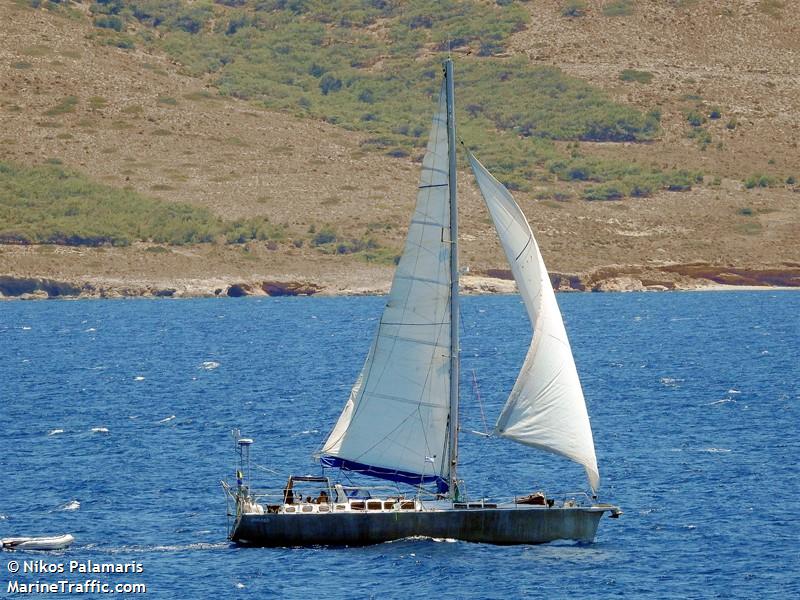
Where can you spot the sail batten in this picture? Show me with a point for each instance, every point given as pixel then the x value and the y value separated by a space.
pixel 395 422
pixel 546 408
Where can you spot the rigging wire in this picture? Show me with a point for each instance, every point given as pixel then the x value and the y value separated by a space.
pixel 476 392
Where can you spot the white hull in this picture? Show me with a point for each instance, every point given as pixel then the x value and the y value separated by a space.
pixel 58 542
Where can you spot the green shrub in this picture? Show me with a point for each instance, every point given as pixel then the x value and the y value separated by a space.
pixel 637 76
pixel 695 119
pixel 759 180
pixel 255 228
pixel 328 83
pixel 574 8
pixel 618 8
pixel 325 235
pixel 109 22
pixel 681 181
pixel 67 105
pixel 608 191
pixel 701 136
pixel 121 42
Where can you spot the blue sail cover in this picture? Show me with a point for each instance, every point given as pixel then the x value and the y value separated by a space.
pixel 400 476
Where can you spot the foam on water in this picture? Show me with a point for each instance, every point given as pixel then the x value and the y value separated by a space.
pixel 160 548
pixel 723 401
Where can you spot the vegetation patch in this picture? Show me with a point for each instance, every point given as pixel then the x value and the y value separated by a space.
pixel 574 8
pixel 612 180
pixel 97 102
pixel 637 76
pixel 67 105
pixel 347 62
pixel 760 180
pixel 50 205
pixel 618 8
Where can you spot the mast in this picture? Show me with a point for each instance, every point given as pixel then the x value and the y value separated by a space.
pixel 454 315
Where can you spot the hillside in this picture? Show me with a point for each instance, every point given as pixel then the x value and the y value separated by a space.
pixel 134 110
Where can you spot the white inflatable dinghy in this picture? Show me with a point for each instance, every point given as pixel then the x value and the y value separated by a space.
pixel 56 542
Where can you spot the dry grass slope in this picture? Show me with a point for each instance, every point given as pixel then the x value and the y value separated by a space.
pixel 132 119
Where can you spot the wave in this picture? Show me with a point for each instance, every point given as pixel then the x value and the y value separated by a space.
pixel 99 429
pixel 167 419
pixel 55 431
pixel 200 546
pixel 139 378
pixel 723 401
pixel 70 506
pixel 209 365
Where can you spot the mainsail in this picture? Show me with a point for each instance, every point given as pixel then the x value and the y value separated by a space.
pixel 395 423
pixel 546 408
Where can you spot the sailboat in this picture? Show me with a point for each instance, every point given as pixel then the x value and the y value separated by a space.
pixel 400 422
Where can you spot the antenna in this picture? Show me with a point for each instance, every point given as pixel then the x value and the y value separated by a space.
pixel 243 472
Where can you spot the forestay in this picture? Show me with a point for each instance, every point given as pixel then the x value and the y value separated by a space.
pixel 546 408
pixel 395 422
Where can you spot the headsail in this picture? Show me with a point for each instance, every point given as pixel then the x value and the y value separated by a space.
pixel 546 408
pixel 395 423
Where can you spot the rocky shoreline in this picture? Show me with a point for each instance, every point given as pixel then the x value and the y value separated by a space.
pixel 615 278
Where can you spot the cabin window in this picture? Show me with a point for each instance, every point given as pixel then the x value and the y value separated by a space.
pixel 308 508
pixel 324 509
pixel 341 507
pixel 357 505
pixel 407 505
pixel 373 505
pixel 388 505
pixel 289 509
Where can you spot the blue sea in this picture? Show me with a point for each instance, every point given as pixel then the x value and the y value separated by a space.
pixel 115 421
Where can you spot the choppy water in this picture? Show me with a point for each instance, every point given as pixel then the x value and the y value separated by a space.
pixel 115 421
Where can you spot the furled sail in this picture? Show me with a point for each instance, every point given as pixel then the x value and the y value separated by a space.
pixel 546 408
pixel 395 423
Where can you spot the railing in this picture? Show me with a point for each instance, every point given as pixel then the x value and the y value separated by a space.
pixel 277 497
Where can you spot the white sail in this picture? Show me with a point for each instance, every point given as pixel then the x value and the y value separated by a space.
pixel 546 408
pixel 395 422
